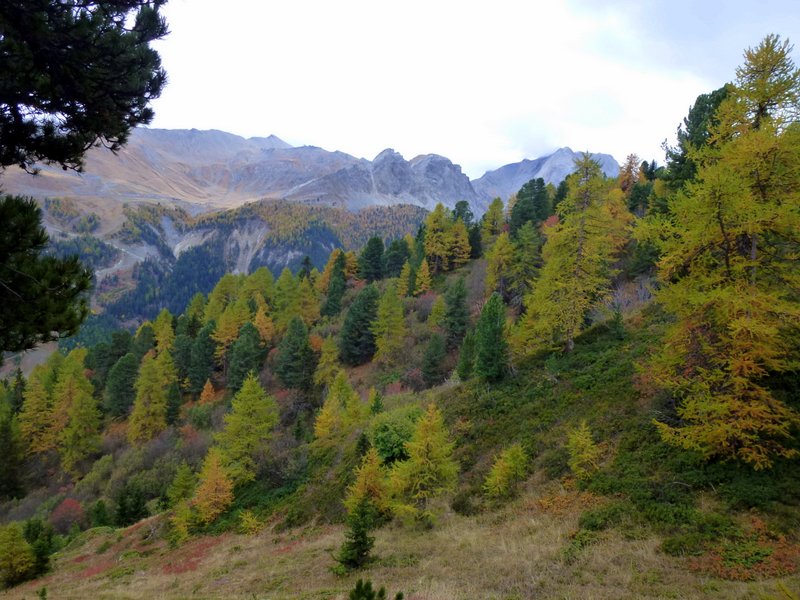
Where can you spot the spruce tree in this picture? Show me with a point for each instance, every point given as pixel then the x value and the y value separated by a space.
pixel 182 355
pixel 357 342
pixel 370 263
pixel 466 357
pixel 246 355
pixel 295 362
pixel 120 389
pixel 336 287
pixel 491 355
pixel 432 361
pixel 11 451
pixel 201 364
pixel 456 315
pixel 395 257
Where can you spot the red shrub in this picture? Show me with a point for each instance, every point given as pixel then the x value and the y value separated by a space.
pixel 65 514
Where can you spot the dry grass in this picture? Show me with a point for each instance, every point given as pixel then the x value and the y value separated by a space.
pixel 516 553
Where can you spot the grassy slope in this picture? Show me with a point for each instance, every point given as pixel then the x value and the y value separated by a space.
pixel 554 541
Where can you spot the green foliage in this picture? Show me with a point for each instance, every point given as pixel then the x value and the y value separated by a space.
pixel 43 297
pixel 131 505
pixel 336 288
pixel 392 430
pixel 432 372
pixel 491 361
pixel 355 550
pixel 120 391
pixel 532 205
pixel 357 341
pixel 17 560
pixel 363 591
pixel 456 316
pixel 182 486
pixel 466 356
pixel 67 92
pixel 201 362
pixel 295 362
pixel 389 327
pixel 370 262
pixel 149 414
pixel 99 515
pixel 11 449
pixel 245 356
pixel 395 257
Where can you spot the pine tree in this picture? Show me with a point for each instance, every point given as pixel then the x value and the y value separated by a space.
pixel 247 431
pixel 432 361
pixel 357 342
pixel 358 543
pixel 532 205
pixel 370 263
pixel 214 493
pixel 526 262
pixel 11 449
pixel 246 355
pixel 182 355
pixel 328 365
pixel 389 327
pixel 375 401
pixel 120 391
pixel 430 470
pixel 422 281
pixel 456 315
pixel 491 360
pixel 149 415
pixel 295 362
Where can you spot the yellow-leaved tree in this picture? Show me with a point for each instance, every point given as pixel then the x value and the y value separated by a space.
pixel 577 257
pixel 729 266
pixel 214 494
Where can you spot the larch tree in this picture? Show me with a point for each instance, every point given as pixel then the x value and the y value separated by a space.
pixel 247 430
pixel 729 251
pixel 328 365
pixel 493 222
pixel 308 304
pixel 163 331
pixel 460 249
pixel 405 286
pixel 422 279
pixel 287 299
pixel 235 315
pixel 498 265
pixel 430 470
pixel 214 493
pixel 36 416
pixel 389 327
pixel 578 258
pixel 438 239
pixel 149 415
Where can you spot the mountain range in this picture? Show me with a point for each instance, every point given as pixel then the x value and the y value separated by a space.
pixel 207 170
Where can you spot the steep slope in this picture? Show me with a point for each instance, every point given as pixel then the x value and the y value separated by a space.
pixel 507 180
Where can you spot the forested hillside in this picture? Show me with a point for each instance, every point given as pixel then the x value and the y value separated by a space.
pixel 592 390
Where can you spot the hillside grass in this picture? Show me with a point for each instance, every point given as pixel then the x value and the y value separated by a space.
pixel 652 522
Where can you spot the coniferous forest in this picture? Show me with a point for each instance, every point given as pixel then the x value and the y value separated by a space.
pixel 592 389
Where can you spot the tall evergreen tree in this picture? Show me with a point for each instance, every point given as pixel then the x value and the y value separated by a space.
pixel 466 357
pixel 11 449
pixel 295 362
pixel 395 257
pixel 456 316
pixel 120 391
pixel 357 342
pixel 370 263
pixel 246 355
pixel 532 206
pixel 432 372
pixel 201 364
pixel 491 354
pixel 336 287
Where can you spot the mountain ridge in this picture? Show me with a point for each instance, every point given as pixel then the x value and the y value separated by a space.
pixel 213 169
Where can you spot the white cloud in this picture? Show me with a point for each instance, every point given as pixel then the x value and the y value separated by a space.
pixel 484 84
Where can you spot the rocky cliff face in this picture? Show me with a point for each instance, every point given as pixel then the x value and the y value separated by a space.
pixel 507 180
pixel 204 170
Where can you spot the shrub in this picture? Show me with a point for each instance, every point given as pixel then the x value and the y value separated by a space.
pixel 583 452
pixel 17 560
pixel 509 468
pixel 68 513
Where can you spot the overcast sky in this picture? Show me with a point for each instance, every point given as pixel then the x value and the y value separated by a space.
pixel 483 83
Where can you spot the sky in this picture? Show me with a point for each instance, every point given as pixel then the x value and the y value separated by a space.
pixel 483 83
